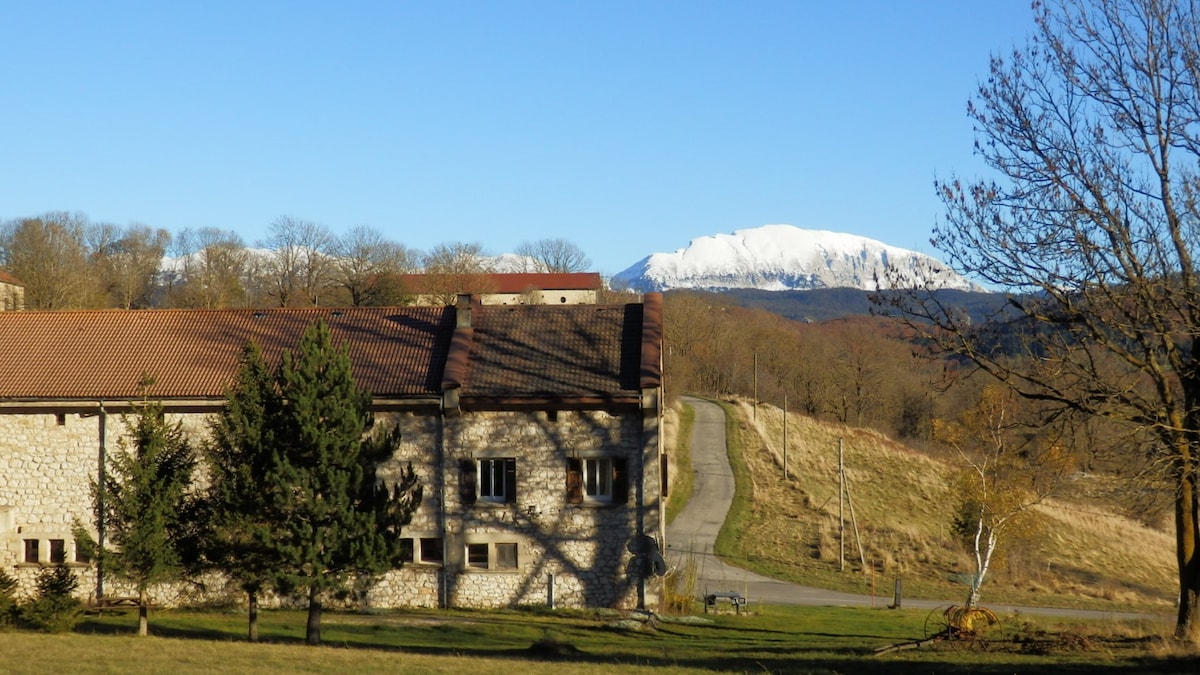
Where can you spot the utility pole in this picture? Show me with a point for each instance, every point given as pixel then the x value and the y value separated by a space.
pixel 785 445
pixel 841 509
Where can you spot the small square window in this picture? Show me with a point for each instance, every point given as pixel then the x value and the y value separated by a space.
pixel 431 549
pixel 31 550
pixel 506 556
pixel 477 555
pixel 58 551
pixel 406 550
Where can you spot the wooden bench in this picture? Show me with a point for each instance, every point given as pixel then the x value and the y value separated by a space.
pixel 733 598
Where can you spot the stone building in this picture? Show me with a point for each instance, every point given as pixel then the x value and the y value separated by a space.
pixel 534 429
pixel 515 288
pixel 12 292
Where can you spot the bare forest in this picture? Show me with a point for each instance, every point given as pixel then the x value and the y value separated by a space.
pixel 66 261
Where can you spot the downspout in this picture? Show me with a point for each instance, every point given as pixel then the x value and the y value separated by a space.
pixel 101 477
pixel 651 388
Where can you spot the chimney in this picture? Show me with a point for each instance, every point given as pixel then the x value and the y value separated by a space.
pixel 463 311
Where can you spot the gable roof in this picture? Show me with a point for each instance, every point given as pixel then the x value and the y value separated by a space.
pixel 584 352
pixel 6 278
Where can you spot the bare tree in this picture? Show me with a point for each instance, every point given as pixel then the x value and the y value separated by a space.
pixel 1093 130
pixel 553 256
pixel 450 269
pixel 128 262
pixel 211 266
pixel 50 255
pixel 365 263
pixel 300 267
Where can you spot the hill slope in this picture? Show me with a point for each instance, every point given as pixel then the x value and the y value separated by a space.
pixel 1081 555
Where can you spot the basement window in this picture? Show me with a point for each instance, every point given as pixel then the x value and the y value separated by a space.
pixel 493 556
pixel 477 556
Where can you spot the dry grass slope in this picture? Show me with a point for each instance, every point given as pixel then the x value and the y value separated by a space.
pixel 1081 554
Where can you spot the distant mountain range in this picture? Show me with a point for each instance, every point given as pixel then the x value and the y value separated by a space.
pixel 782 258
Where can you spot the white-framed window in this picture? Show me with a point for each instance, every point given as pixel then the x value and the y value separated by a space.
pixel 597 480
pixel 501 555
pixel 489 479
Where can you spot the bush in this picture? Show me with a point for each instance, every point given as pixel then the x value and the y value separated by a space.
pixel 8 600
pixel 54 609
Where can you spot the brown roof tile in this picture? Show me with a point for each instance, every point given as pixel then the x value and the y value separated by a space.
pixel 554 351
pixel 397 352
pixel 512 282
pixel 6 278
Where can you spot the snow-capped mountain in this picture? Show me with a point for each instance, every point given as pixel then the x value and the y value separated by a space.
pixel 782 257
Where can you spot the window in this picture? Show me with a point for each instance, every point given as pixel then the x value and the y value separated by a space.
pixel 406 550
pixel 600 480
pixel 81 555
pixel 431 550
pixel 597 479
pixel 489 479
pixel 506 556
pixel 492 556
pixel 58 551
pixel 31 550
pixel 477 555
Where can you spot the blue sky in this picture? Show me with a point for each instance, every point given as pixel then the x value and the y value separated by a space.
pixel 625 127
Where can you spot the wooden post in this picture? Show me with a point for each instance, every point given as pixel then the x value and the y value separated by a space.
pixel 785 445
pixel 841 510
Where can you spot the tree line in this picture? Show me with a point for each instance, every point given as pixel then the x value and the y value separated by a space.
pixel 66 261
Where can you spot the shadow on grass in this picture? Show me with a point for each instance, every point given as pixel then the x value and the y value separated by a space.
pixel 745 650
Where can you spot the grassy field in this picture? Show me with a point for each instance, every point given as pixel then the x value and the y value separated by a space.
pixel 1083 555
pixel 772 639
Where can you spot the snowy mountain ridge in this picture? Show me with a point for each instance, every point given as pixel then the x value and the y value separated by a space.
pixel 783 257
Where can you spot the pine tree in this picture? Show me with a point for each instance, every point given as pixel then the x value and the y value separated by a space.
pixel 236 535
pixel 145 504
pixel 333 521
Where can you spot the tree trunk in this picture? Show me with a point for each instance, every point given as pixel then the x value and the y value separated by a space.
pixel 1187 536
pixel 143 613
pixel 252 634
pixel 312 634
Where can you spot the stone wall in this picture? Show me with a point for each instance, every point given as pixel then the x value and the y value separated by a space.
pixel 481 554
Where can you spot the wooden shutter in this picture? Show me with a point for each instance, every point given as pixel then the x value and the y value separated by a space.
pixel 574 481
pixel 510 480
pixel 467 481
pixel 620 481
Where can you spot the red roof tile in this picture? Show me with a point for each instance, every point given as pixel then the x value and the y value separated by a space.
pixel 396 352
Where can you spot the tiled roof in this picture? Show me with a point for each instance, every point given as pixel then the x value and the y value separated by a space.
pixel 396 352
pixel 6 278
pixel 554 351
pixel 512 283
pixel 582 352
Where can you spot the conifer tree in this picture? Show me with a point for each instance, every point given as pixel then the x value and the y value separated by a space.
pixel 333 521
pixel 239 454
pixel 146 504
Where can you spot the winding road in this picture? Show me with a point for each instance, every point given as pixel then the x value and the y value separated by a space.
pixel 693 534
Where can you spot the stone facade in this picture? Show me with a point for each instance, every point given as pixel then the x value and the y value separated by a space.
pixel 536 547
pixel 12 294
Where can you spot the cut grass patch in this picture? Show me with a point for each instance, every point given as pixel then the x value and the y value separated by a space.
pixel 772 639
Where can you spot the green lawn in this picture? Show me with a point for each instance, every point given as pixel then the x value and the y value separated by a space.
pixel 772 639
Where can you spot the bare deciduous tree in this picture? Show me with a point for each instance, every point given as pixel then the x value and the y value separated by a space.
pixel 365 261
pixel 300 267
pixel 50 255
pixel 128 261
pixel 455 268
pixel 1093 130
pixel 552 256
pixel 210 271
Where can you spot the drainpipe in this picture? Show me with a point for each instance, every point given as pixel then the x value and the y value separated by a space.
pixel 101 476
